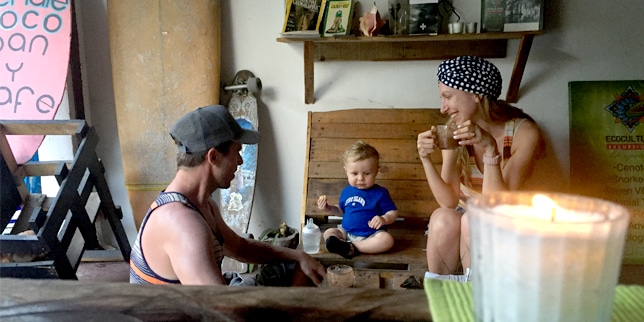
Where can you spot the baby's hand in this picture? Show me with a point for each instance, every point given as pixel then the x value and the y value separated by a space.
pixel 322 202
pixel 376 222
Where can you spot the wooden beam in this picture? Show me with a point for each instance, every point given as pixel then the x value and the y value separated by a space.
pixel 519 66
pixel 309 91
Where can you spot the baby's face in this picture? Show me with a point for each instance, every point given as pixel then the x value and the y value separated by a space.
pixel 362 174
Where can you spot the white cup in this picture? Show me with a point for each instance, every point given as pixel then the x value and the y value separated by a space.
pixel 471 27
pixel 455 28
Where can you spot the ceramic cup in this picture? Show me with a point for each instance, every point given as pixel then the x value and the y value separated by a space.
pixel 471 27
pixel 455 28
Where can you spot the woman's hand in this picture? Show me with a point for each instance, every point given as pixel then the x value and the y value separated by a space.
pixel 426 143
pixel 468 133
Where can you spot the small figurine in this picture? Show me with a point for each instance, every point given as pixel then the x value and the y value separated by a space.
pixel 370 22
pixel 283 229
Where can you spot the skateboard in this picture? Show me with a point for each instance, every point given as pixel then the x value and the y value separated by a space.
pixel 236 202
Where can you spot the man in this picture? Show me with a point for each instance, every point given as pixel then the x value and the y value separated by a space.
pixel 183 238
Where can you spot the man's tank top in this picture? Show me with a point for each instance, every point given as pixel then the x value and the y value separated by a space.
pixel 140 271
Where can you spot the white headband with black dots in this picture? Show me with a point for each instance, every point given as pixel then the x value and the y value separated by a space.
pixel 471 74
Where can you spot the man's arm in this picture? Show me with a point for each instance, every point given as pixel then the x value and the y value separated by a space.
pixel 254 251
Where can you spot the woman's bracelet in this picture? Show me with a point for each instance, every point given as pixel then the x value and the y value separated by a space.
pixel 495 160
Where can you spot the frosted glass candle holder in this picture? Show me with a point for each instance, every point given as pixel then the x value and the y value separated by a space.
pixel 545 257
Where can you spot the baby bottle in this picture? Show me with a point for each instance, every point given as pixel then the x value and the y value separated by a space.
pixel 311 236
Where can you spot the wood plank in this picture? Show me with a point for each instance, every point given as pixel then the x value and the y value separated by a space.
pixel 408 50
pixel 43 168
pixel 40 127
pixel 379 115
pixel 210 303
pixel 368 131
pixel 388 170
pixel 390 150
pixel 419 38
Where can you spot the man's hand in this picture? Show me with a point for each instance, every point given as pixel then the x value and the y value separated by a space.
pixel 312 268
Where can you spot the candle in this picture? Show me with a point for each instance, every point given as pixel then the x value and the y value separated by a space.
pixel 545 257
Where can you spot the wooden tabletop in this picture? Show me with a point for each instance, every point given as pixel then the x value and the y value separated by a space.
pixel 81 301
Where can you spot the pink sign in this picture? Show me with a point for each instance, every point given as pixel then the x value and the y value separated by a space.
pixel 34 57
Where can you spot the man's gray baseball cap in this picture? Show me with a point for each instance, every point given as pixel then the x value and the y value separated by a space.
pixel 208 127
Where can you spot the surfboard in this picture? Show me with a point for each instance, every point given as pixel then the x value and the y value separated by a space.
pixel 34 58
pixel 165 58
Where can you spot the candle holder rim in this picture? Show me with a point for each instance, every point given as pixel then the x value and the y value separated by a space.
pixel 617 213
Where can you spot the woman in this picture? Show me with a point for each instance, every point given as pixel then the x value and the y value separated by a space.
pixel 499 144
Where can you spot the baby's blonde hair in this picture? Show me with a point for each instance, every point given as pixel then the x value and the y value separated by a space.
pixel 360 151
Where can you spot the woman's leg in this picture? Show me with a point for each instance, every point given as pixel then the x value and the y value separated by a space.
pixel 443 241
pixel 465 241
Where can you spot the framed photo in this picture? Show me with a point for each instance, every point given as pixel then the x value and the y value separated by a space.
pixel 523 15
pixel 423 17
pixel 337 18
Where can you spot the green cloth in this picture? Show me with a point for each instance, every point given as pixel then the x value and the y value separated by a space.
pixel 452 301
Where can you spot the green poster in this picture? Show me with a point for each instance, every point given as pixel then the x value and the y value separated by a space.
pixel 607 150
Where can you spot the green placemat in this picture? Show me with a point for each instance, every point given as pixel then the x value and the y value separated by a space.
pixel 452 301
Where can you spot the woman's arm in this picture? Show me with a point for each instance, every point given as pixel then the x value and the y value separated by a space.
pixel 444 186
pixel 525 148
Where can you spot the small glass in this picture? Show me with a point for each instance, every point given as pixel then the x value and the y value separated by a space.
pixel 340 276
pixel 445 135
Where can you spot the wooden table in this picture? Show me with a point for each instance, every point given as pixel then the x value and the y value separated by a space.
pixel 22 299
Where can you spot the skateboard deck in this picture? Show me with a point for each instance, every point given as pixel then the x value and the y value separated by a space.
pixel 168 67
pixel 236 202
pixel 34 60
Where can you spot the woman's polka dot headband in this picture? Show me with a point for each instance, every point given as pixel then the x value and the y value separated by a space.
pixel 471 74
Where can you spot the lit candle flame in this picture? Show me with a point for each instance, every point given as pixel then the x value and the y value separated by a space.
pixel 546 204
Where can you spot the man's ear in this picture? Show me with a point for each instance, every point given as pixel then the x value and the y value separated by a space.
pixel 212 155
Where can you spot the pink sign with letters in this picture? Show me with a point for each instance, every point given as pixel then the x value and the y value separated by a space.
pixel 34 56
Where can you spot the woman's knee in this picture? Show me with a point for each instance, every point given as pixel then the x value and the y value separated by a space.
pixel 444 219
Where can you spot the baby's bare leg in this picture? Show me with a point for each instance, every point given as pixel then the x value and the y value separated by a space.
pixel 380 242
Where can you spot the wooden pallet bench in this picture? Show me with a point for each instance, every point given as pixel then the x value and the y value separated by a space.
pixel 63 226
pixel 393 132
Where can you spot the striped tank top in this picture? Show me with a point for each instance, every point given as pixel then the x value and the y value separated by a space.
pixel 140 271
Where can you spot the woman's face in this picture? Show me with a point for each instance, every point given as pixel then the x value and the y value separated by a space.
pixel 462 105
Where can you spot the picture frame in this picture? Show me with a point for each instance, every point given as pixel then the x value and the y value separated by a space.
pixel 492 15
pixel 523 15
pixel 338 16
pixel 423 17
pixel 303 15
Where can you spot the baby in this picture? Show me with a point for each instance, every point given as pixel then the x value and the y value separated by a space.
pixel 365 207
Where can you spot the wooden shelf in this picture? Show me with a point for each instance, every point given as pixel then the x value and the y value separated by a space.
pixel 400 48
